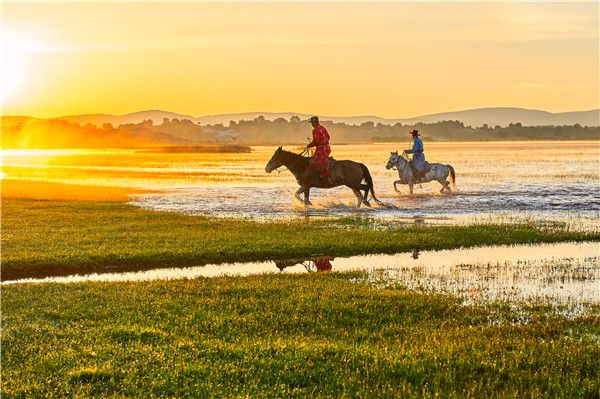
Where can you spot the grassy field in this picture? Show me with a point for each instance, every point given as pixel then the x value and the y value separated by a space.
pixel 43 237
pixel 312 335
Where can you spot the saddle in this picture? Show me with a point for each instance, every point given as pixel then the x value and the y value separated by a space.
pixel 331 162
pixel 418 175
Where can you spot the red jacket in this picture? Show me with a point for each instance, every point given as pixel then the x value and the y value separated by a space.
pixel 320 137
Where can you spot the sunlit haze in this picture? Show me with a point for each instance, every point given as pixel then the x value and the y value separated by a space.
pixel 392 60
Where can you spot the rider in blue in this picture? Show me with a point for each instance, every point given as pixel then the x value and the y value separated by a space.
pixel 418 161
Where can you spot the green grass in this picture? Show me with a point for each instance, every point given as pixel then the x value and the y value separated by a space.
pixel 63 237
pixel 311 335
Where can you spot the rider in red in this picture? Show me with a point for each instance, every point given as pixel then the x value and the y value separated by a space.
pixel 319 162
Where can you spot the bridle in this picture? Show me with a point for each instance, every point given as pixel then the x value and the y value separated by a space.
pixel 396 165
pixel 305 151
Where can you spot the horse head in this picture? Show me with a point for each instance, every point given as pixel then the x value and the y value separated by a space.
pixel 393 160
pixel 275 161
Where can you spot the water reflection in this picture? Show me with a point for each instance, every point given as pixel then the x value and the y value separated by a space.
pixel 318 264
pixel 565 274
pixel 415 254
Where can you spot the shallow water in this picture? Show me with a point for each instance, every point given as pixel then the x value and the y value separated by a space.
pixel 565 274
pixel 557 181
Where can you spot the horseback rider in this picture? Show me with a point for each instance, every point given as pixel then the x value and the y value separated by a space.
pixel 418 164
pixel 319 162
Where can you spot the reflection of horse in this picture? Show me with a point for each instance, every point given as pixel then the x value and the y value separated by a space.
pixel 346 173
pixel 321 264
pixel 415 254
pixel 437 172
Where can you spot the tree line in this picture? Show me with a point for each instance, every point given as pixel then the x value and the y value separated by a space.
pixel 23 132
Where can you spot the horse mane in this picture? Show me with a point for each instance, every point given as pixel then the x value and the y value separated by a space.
pixel 402 159
pixel 289 156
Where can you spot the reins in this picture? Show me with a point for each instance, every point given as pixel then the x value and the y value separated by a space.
pixel 305 151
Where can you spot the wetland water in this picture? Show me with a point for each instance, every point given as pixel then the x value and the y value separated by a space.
pixel 558 181
pixel 497 182
pixel 564 274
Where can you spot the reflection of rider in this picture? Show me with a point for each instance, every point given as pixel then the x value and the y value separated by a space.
pixel 418 160
pixel 319 162
pixel 323 264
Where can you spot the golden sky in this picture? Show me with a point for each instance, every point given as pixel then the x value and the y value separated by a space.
pixel 386 59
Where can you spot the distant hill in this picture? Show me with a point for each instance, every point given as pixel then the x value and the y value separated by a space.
pixel 136 117
pixel 504 116
pixel 474 117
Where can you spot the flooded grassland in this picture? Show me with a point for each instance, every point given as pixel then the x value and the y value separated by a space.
pixel 232 289
pixel 497 181
pixel 285 335
pixel 551 190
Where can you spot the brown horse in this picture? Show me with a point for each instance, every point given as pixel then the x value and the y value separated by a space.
pixel 347 173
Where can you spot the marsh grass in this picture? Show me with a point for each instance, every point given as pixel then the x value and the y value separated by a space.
pixel 43 238
pixel 312 335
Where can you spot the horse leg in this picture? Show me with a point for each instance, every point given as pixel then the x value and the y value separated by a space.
pixel 365 199
pixel 447 186
pixel 360 198
pixel 395 187
pixel 297 194
pixel 366 188
pixel 306 196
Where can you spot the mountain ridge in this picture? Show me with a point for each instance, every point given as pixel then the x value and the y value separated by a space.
pixel 490 116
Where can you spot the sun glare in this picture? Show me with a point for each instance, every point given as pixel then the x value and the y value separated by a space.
pixel 17 47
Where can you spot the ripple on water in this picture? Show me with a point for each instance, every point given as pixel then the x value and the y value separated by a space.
pixel 579 204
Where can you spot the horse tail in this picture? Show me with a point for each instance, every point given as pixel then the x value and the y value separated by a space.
pixel 452 176
pixel 369 181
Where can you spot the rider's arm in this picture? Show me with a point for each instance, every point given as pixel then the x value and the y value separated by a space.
pixel 417 147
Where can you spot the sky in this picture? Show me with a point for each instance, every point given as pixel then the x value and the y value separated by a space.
pixel 393 60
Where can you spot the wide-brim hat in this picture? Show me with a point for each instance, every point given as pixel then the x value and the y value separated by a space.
pixel 414 132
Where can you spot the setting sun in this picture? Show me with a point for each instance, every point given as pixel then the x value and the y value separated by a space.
pixel 20 47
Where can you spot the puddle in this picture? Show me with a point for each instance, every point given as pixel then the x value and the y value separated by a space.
pixel 565 274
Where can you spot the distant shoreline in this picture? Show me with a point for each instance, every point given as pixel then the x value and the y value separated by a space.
pixel 247 148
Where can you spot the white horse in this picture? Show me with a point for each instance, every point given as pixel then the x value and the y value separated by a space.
pixel 437 172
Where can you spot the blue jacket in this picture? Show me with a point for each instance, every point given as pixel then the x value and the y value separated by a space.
pixel 418 160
